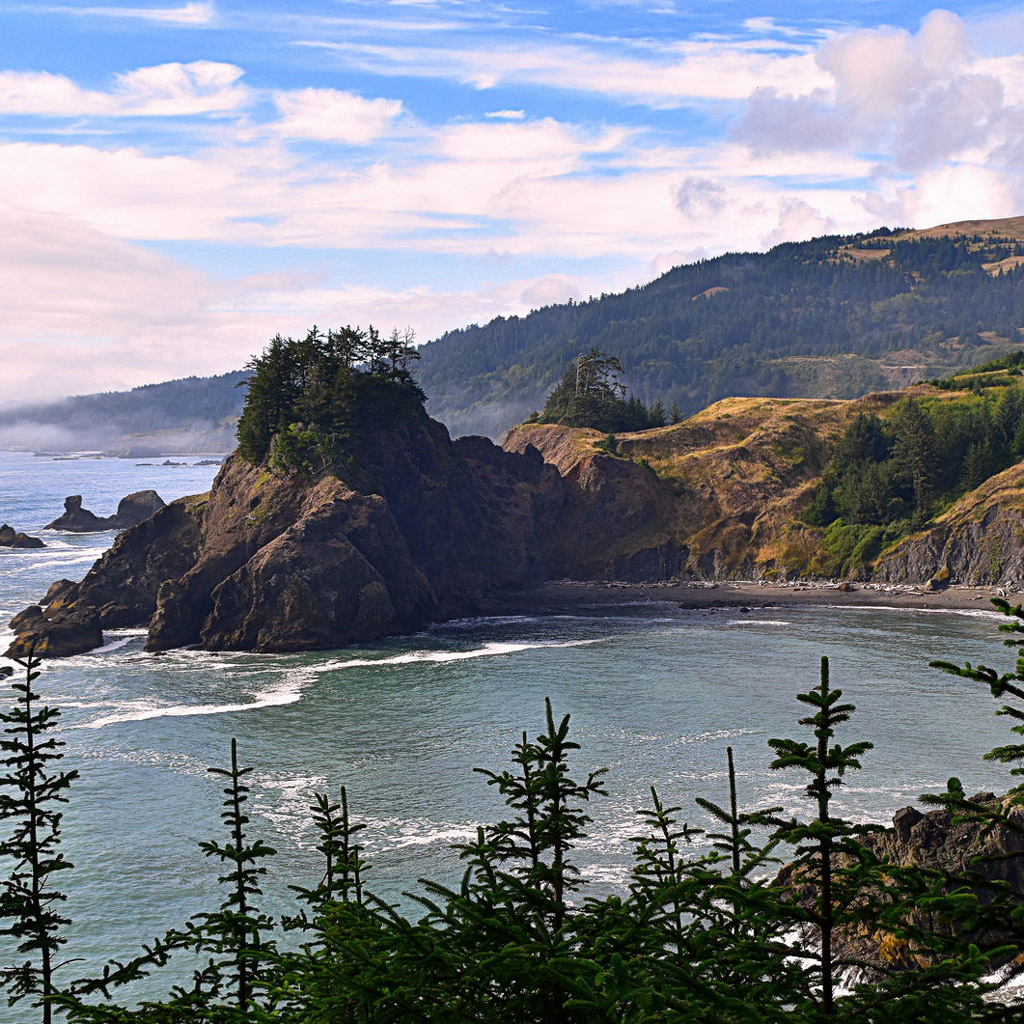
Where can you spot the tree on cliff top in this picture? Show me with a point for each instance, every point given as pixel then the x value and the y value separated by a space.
pixel 305 396
pixel 590 394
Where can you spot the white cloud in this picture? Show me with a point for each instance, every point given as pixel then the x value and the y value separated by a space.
pixel 196 12
pixel 86 312
pixel 507 115
pixel 165 90
pixel 914 101
pixel 332 115
pixel 693 72
pixel 947 194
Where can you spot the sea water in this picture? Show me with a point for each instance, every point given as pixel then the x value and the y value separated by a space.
pixel 656 694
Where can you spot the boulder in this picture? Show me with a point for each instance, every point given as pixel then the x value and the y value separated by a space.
pixel 10 538
pixel 133 508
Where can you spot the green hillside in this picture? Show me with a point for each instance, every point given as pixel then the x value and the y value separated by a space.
pixel 190 414
pixel 835 317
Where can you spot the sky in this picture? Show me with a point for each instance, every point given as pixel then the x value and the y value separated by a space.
pixel 182 179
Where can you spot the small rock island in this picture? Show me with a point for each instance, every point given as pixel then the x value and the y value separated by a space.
pixel 131 510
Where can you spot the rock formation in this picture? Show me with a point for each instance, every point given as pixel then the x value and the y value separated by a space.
pixel 410 528
pixel 981 860
pixel 978 541
pixel 10 538
pixel 131 510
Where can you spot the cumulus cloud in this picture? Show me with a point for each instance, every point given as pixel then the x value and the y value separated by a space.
pixel 330 115
pixel 696 197
pixel 921 99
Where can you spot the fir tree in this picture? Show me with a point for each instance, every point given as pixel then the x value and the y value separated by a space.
pixel 32 790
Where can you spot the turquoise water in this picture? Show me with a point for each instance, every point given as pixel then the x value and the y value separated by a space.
pixel 656 695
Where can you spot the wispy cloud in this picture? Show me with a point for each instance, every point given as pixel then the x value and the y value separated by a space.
pixel 196 12
pixel 703 73
pixel 330 115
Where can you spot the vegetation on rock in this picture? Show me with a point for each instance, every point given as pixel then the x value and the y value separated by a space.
pixel 305 397
pixel 590 394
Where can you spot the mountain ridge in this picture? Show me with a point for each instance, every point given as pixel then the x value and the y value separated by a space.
pixel 832 317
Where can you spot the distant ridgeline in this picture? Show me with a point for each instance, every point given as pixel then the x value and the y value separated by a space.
pixel 835 317
pixel 191 414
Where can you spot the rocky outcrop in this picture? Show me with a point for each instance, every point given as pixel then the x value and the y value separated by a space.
pixel 131 510
pixel 979 541
pixel 981 860
pixel 11 538
pixel 410 528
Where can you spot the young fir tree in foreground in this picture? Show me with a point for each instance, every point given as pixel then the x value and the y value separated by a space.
pixel 32 789
pixel 705 933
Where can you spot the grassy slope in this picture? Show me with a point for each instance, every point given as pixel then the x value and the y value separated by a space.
pixel 743 471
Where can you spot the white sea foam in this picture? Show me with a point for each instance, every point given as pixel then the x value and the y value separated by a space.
pixel 972 613
pixel 491 650
pixel 288 691
pixel 758 622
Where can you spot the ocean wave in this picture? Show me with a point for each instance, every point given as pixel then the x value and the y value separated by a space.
pixel 758 622
pixel 491 650
pixel 288 692
pixel 972 613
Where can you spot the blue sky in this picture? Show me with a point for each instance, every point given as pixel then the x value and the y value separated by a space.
pixel 179 181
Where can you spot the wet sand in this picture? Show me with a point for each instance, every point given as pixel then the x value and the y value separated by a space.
pixel 564 595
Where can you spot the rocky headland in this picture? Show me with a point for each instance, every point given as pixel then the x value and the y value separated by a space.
pixel 410 527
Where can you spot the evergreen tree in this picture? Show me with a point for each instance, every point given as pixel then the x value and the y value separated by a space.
pixel 820 840
pixel 32 790
pixel 234 933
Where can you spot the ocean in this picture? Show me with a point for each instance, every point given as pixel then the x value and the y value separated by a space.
pixel 656 694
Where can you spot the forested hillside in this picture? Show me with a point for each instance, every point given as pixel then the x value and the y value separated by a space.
pixel 834 317
pixel 191 414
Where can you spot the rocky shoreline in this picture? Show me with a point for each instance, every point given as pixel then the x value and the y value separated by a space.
pixel 565 595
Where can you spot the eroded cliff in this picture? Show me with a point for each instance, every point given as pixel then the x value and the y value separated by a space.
pixel 409 528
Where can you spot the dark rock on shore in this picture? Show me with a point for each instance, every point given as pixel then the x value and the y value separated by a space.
pixel 982 861
pixel 131 510
pixel 11 538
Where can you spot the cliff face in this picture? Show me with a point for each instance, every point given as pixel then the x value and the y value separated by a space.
pixel 412 528
pixel 718 495
pixel 978 541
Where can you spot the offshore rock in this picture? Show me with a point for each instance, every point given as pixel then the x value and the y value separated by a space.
pixel 11 538
pixel 131 510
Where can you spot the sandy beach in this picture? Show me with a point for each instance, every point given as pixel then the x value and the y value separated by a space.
pixel 566 595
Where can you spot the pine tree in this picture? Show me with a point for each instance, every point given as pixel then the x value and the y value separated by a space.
pixel 234 933
pixel 821 840
pixel 32 790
